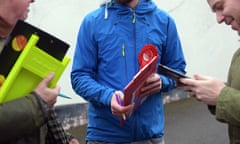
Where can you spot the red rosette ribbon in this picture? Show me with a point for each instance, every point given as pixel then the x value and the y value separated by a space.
pixel 146 54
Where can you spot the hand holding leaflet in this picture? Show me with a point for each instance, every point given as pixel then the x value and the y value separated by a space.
pixel 148 62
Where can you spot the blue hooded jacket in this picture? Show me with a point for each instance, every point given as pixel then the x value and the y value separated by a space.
pixel 106 59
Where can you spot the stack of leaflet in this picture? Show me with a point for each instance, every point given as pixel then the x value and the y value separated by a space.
pixel 28 56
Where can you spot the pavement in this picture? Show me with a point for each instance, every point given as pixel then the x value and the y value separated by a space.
pixel 188 121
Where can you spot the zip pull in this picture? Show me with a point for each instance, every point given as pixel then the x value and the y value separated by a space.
pixel 123 49
pixel 106 10
pixel 134 17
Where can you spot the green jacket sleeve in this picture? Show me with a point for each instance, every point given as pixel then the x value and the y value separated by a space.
pixel 228 106
pixel 20 116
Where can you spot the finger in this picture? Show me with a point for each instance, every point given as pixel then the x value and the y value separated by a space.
pixel 198 98
pixel 114 112
pixel 120 94
pixel 48 78
pixel 126 110
pixel 149 92
pixel 200 77
pixel 192 94
pixel 156 77
pixel 149 86
pixel 179 84
pixel 118 114
pixel 187 81
pixel 188 88
pixel 57 89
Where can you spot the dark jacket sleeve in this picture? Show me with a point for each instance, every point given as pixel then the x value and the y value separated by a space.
pixel 20 116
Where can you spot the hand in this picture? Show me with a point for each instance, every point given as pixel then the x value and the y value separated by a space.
pixel 117 109
pixel 152 85
pixel 206 89
pixel 74 141
pixel 48 95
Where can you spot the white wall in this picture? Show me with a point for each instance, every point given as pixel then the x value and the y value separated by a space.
pixel 62 18
pixel 208 46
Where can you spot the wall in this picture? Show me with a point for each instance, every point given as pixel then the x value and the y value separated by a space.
pixel 62 18
pixel 208 46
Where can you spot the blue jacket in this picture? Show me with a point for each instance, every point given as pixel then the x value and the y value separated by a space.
pixel 105 60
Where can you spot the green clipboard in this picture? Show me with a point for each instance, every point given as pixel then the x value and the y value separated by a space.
pixel 32 65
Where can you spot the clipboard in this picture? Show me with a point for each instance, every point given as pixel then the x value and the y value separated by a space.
pixel 18 39
pixel 23 64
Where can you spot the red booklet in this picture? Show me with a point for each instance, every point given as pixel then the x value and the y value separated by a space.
pixel 148 61
pixel 132 90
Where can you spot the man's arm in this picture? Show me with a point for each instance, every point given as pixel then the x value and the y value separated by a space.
pixel 19 116
pixel 228 106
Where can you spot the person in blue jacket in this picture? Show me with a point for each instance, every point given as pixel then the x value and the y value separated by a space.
pixel 106 59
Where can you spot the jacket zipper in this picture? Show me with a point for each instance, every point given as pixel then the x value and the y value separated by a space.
pixel 123 49
pixel 123 45
pixel 135 55
pixel 134 17
pixel 134 36
pixel 125 61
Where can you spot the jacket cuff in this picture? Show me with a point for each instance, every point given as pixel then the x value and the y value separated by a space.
pixel 221 105
pixel 43 105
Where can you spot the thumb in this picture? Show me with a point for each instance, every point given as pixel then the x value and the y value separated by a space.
pixel 57 88
pixel 47 79
pixel 200 77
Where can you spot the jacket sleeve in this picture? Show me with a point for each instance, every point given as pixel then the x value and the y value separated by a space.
pixel 19 116
pixel 228 106
pixel 84 72
pixel 172 55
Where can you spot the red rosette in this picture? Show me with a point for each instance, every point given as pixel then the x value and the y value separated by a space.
pixel 146 54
